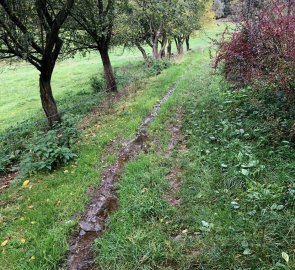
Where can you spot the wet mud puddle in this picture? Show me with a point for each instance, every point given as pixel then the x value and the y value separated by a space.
pixel 104 200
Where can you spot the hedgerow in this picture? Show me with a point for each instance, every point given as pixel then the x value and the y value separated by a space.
pixel 262 48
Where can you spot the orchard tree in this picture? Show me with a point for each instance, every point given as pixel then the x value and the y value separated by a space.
pixel 158 23
pixel 31 31
pixel 186 20
pixel 148 23
pixel 218 8
pixel 130 33
pixel 92 27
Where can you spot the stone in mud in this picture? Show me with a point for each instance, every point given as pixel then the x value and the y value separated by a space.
pixel 88 227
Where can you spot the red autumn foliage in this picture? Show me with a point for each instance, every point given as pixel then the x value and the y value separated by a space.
pixel 262 47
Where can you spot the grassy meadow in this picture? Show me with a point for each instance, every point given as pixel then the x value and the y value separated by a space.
pixel 19 90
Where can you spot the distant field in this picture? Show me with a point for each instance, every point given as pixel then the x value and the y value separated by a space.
pixel 19 91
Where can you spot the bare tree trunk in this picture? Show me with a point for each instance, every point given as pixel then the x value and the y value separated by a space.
pixel 156 45
pixel 108 70
pixel 163 47
pixel 47 99
pixel 187 39
pixel 179 45
pixel 144 54
pixel 169 48
pixel 155 50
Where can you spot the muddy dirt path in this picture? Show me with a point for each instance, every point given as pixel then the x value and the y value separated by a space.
pixel 104 200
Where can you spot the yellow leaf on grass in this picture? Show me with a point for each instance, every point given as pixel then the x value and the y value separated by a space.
pixel 32 258
pixel 33 222
pixel 23 240
pixel 25 183
pixel 4 243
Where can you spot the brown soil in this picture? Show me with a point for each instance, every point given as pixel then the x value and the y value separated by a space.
pixel 173 176
pixel 5 180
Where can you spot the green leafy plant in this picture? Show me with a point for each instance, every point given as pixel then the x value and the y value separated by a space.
pixel 98 84
pixel 51 149
pixel 157 66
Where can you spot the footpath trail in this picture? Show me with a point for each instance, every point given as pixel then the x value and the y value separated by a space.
pixel 104 199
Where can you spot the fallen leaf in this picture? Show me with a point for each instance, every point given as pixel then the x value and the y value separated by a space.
pixel 245 172
pixel 32 258
pixel 247 251
pixel 4 243
pixel 23 240
pixel 33 222
pixel 285 256
pixel 26 182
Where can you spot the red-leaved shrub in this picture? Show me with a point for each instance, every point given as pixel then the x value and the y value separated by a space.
pixel 262 47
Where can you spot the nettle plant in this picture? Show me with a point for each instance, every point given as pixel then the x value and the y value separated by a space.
pixel 262 48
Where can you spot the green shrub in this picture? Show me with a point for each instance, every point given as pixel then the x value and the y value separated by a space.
pixel 98 84
pixel 157 66
pixel 48 150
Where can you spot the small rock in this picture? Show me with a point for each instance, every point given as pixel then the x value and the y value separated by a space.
pixel 88 227
pixel 177 238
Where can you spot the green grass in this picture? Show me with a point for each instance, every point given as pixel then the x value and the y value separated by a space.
pixel 19 90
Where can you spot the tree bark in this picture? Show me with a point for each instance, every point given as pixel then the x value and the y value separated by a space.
pixel 155 50
pixel 108 70
pixel 187 39
pixel 169 48
pixel 144 54
pixel 163 47
pixel 156 45
pixel 179 45
pixel 47 99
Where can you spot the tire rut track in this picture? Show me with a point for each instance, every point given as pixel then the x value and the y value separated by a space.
pixel 104 200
